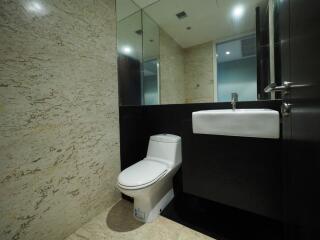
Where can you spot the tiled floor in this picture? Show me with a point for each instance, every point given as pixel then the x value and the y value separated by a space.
pixel 118 223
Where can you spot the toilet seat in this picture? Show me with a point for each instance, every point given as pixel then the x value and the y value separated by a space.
pixel 142 174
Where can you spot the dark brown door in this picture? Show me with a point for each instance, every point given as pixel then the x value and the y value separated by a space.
pixel 300 53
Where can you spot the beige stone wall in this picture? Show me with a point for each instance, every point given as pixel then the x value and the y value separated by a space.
pixel 186 75
pixel 171 71
pixel 59 140
pixel 198 73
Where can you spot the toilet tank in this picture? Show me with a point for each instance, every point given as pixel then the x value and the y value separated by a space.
pixel 166 147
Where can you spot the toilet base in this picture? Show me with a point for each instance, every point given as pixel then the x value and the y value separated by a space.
pixel 144 212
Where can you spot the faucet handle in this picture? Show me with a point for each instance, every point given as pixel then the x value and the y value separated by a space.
pixel 234 99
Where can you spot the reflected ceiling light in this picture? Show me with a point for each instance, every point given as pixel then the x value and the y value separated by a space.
pixel 227 53
pixel 238 11
pixel 127 49
pixel 36 7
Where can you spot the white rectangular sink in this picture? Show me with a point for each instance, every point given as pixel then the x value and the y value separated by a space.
pixel 258 123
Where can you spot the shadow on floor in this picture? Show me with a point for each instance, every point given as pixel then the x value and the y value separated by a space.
pixel 120 217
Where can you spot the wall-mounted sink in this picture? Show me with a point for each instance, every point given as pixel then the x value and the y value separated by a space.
pixel 259 123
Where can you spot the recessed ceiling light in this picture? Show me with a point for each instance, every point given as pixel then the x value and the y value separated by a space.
pixel 127 49
pixel 227 53
pixel 238 11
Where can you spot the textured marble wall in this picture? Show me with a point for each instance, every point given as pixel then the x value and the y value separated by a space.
pixel 186 74
pixel 198 73
pixel 172 88
pixel 59 143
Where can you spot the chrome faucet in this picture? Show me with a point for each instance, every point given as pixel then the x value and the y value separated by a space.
pixel 234 100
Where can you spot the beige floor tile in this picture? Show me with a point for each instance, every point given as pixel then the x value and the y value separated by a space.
pixel 119 223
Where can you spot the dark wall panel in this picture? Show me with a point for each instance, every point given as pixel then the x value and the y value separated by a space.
pixel 133 136
pixel 239 172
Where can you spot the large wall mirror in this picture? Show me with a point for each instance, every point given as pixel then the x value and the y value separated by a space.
pixel 188 51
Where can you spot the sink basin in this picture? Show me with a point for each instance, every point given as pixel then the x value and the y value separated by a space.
pixel 258 123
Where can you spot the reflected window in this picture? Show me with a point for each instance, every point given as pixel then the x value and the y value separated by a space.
pixel 150 82
pixel 237 69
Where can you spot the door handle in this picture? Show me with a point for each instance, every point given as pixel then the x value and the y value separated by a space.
pixel 282 88
pixel 285 109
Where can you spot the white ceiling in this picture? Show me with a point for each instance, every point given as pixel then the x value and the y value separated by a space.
pixel 125 8
pixel 208 19
pixel 145 3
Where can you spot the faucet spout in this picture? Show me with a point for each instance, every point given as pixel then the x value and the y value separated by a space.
pixel 234 100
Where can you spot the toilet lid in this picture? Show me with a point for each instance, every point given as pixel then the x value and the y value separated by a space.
pixel 142 174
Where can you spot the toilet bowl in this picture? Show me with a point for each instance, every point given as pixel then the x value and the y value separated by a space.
pixel 149 181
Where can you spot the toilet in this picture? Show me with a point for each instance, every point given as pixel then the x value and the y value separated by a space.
pixel 149 181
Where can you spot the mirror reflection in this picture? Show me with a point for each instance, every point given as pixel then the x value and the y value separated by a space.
pixel 186 51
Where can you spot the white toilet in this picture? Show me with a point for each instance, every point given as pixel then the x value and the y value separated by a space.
pixel 149 181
